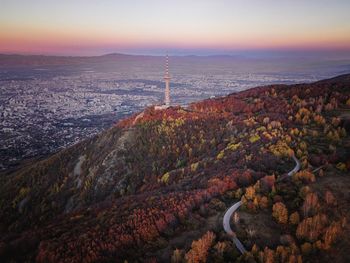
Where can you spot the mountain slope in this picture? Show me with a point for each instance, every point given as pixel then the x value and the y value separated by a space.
pixel 157 176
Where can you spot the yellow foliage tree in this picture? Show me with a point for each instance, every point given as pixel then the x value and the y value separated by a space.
pixel 254 138
pixel 280 213
pixel 194 166
pixel 165 178
pixel 280 149
pixel 220 155
pixel 304 176
pixel 250 193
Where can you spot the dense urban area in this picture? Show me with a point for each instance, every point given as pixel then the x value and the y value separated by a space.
pixel 44 107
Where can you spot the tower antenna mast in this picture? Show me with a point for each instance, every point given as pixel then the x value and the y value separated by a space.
pixel 167 82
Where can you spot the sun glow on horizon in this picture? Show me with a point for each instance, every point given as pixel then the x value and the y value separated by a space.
pixel 90 27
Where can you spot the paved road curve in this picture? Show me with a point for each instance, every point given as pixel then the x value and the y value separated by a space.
pixel 227 227
pixel 297 166
pixel 232 209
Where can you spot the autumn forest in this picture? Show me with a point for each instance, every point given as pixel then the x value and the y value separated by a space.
pixel 155 186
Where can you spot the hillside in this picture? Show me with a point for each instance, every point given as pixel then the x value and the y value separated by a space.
pixel 154 188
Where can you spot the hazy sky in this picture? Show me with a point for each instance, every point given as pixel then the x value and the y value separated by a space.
pixel 152 26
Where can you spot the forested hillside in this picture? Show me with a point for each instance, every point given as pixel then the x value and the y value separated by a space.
pixel 155 187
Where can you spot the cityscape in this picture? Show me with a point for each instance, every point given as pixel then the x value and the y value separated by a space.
pixel 47 109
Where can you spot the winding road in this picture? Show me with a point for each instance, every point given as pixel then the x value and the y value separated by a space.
pixel 234 207
pixel 296 168
pixel 227 227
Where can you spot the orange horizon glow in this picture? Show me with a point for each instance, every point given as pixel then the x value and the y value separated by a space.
pixel 45 40
pixel 205 26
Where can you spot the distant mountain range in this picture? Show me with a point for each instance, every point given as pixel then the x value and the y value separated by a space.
pixel 13 60
pixel 40 60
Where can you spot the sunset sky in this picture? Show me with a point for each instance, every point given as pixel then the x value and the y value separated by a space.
pixel 93 27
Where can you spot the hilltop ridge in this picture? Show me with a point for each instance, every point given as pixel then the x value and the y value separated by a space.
pixel 155 188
